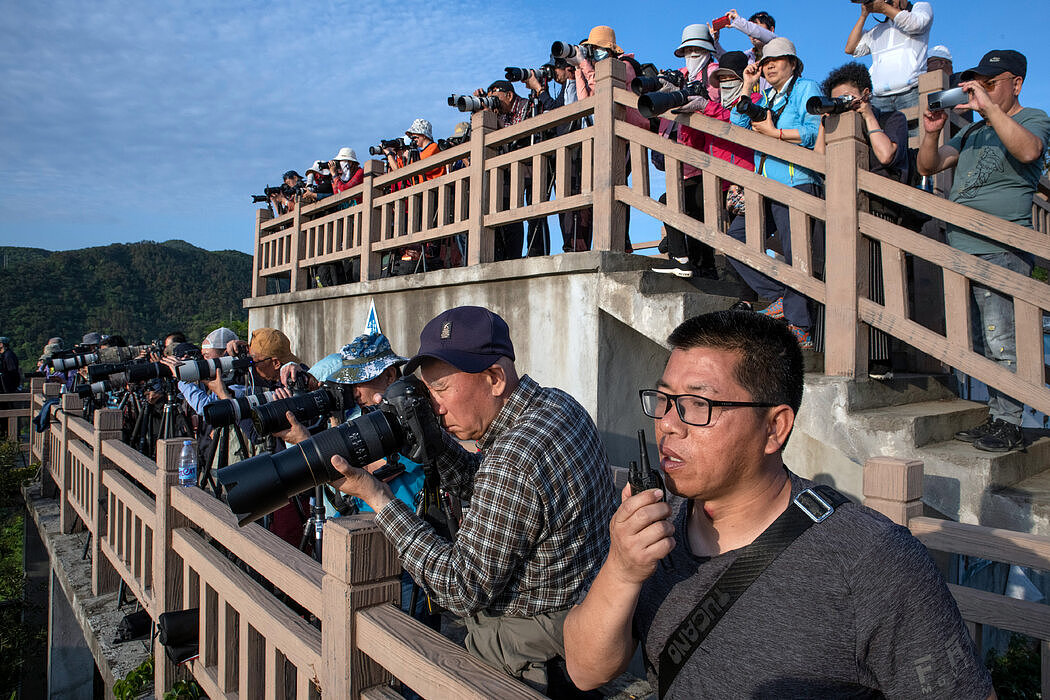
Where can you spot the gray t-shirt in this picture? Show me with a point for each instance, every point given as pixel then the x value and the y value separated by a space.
pixel 853 608
pixel 988 178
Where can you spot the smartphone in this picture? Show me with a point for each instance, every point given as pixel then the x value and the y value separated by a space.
pixel 720 23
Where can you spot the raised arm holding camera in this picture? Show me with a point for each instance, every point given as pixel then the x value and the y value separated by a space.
pixel 998 162
pixel 897 45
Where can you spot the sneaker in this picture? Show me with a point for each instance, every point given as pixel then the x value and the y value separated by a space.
pixel 977 432
pixel 675 267
pixel 774 310
pixel 742 306
pixel 1003 437
pixel 802 335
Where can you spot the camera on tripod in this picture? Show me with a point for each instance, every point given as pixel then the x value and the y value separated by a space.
pixel 452 142
pixel 520 75
pixel 756 113
pixel 818 104
pixel 403 422
pixel 654 104
pixel 189 371
pixel 397 144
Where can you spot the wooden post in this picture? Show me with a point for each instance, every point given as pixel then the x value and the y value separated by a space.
pixel 893 487
pixel 845 339
pixel 71 403
pixel 167 566
pixel 298 281
pixel 52 390
pixel 258 281
pixel 36 388
pixel 610 158
pixel 370 262
pixel 480 240
pixel 104 577
pixel 361 570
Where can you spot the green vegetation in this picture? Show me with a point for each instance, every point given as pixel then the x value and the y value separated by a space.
pixel 1015 674
pixel 138 680
pixel 139 290
pixel 20 643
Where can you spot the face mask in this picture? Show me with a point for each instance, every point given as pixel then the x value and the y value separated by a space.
pixel 600 54
pixel 730 91
pixel 695 64
pixel 310 179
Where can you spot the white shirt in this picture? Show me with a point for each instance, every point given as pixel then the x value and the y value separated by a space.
pixel 898 49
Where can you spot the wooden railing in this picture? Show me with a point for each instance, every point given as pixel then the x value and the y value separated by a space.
pixel 273 622
pixel 894 488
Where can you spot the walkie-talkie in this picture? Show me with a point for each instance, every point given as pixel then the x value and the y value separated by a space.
pixel 644 477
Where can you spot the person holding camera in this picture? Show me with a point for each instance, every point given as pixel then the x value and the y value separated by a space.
pixel 998 162
pixel 760 28
pixel 319 179
pixel 346 170
pixel 897 45
pixel 739 578
pixel 540 495
pixel 780 114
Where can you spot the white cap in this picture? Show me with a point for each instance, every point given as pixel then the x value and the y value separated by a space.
pixel 939 51
pixel 346 154
pixel 218 339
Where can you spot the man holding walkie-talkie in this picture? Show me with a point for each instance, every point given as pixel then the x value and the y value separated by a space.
pixel 771 586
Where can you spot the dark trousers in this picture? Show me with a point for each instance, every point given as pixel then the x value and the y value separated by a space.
pixel 679 245
pixel 796 306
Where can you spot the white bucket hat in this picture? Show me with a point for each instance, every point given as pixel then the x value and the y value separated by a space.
pixel 778 47
pixel 421 127
pixel 346 154
pixel 940 51
pixel 695 36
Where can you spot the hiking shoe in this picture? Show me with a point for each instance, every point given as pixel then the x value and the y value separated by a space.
pixel 676 268
pixel 977 432
pixel 774 310
pixel 802 336
pixel 742 306
pixel 1003 437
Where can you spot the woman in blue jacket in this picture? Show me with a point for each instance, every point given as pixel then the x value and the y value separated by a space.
pixel 787 120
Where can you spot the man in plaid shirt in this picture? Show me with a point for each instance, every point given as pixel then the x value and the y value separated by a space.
pixel 540 492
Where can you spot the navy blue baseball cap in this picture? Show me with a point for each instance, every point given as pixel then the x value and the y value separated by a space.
pixel 470 338
pixel 997 62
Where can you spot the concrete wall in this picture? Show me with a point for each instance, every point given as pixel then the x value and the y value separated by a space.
pixel 561 337
pixel 70 665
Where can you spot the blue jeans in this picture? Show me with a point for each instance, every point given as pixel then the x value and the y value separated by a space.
pixel 902 100
pixel 992 321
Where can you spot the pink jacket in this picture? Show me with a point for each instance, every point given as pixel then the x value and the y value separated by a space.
pixel 585 87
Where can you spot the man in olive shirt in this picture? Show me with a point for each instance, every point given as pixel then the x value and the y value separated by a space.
pixel 998 162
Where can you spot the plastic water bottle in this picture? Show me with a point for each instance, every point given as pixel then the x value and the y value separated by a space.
pixel 187 464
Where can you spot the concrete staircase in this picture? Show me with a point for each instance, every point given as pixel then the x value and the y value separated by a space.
pixel 844 422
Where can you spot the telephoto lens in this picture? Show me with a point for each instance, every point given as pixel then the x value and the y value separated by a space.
pixel 643 84
pixel 85 391
pixel 100 371
pixel 561 49
pixel 220 414
pixel 196 370
pixel 654 104
pixel 62 364
pixel 818 104
pixel 469 103
pixel 517 75
pixel 269 417
pixel 756 113
pixel 404 422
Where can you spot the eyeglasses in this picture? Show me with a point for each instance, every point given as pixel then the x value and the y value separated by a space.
pixel 990 84
pixel 692 409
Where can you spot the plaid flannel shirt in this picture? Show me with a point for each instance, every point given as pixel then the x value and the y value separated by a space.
pixel 537 531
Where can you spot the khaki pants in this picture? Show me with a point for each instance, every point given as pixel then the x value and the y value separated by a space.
pixel 519 646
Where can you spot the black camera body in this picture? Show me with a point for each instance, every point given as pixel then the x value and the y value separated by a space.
pixel 756 113
pixel 403 423
pixel 818 104
pixel 654 104
pixel 664 80
pixel 452 142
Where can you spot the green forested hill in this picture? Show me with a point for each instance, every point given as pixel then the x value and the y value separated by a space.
pixel 139 290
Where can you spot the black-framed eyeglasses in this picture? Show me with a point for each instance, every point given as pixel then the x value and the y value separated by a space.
pixel 692 409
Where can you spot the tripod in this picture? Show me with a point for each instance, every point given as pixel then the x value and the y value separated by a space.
pixel 221 456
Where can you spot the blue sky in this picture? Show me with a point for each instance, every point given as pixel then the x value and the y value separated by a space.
pixel 124 120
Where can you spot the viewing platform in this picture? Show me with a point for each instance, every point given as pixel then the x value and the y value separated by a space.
pixel 275 623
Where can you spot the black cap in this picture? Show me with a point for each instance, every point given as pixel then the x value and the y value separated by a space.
pixel 470 338
pixel 731 62
pixel 186 350
pixel 998 61
pixel 503 86
pixel 290 173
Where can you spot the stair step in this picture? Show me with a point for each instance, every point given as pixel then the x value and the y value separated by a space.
pixel 924 422
pixel 1002 468
pixel 1030 496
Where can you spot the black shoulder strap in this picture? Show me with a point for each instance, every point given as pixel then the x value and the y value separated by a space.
pixel 811 506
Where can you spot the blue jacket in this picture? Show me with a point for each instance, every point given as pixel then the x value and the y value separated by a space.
pixel 794 116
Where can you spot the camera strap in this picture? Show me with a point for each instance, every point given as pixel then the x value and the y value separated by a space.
pixel 813 505
pixel 774 115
